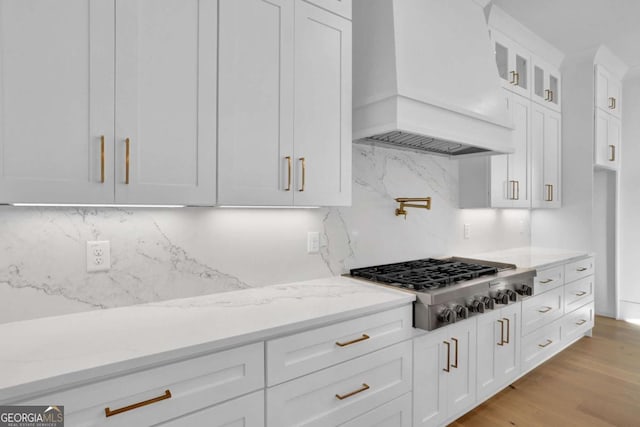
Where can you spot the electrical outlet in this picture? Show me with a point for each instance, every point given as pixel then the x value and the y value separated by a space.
pixel 467 231
pixel 313 242
pixel 98 255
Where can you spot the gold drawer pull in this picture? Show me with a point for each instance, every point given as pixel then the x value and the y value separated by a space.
pixel 581 293
pixel 344 344
pixel 546 309
pixel 304 172
pixel 581 269
pixel 108 412
pixel 448 368
pixel 544 282
pixel 127 159
pixel 582 322
pixel 360 390
pixel 545 344
pixel 288 158
pixel 612 157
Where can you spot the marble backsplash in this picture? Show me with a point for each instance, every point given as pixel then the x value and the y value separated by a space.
pixel 159 254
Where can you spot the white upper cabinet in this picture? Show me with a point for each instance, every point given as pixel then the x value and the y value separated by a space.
pixel 514 64
pixel 57 93
pixel 284 105
pixel 608 91
pixel 322 128
pixel 546 84
pixel 71 69
pixel 165 101
pixel 608 133
pixel 546 153
pixel 255 116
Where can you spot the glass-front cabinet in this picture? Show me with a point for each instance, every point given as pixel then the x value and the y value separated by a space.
pixel 513 62
pixel 546 84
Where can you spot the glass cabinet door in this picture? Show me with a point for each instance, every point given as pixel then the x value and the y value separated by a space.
pixel 522 67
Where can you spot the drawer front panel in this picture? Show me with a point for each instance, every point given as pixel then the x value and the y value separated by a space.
pixel 540 345
pixel 339 7
pixel 337 394
pixel 541 310
pixel 396 413
pixel 193 384
pixel 578 322
pixel 578 269
pixel 246 411
pixel 300 354
pixel 578 293
pixel 548 279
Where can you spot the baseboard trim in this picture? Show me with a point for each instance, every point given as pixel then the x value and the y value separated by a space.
pixel 629 310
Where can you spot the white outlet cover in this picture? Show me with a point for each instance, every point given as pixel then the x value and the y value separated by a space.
pixel 313 242
pixel 98 255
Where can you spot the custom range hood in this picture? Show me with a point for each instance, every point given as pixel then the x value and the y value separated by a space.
pixel 425 78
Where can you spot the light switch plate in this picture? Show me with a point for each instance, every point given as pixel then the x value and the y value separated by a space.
pixel 313 242
pixel 98 255
pixel 467 231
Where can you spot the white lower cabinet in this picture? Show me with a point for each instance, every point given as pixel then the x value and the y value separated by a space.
pixel 337 394
pixel 578 322
pixel 396 413
pixel 498 349
pixel 444 373
pixel 540 345
pixel 246 411
pixel 542 309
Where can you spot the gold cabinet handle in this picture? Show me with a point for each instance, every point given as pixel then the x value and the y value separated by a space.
pixel 581 269
pixel 288 173
pixel 360 390
pixel 544 282
pixel 109 413
pixel 517 189
pixel 501 343
pixel 582 322
pixel 547 95
pixel 127 158
pixel 304 172
pixel 448 368
pixel 549 196
pixel 612 157
pixel 508 327
pixel 612 103
pixel 514 195
pixel 546 309
pixel 344 344
pixel 545 344
pixel 581 293
pixel 455 364
pixel 517 75
pixel 513 77
pixel 550 96
pixel 102 159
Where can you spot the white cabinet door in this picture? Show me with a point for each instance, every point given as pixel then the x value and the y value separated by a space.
pixel 546 152
pixel 513 62
pixel 608 92
pixel 255 139
pixel 56 88
pixel 322 128
pixel 429 379
pixel 166 101
pixel 511 190
pixel 607 143
pixel 507 358
pixel 461 381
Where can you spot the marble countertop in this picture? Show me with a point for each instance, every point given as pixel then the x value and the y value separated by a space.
pixel 47 353
pixel 531 257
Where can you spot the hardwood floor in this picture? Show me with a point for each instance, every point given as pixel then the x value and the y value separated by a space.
pixel 595 382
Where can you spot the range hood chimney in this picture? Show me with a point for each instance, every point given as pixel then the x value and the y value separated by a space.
pixel 425 78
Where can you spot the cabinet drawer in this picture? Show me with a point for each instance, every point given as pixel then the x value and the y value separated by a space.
pixel 338 394
pixel 193 384
pixel 579 269
pixel 548 279
pixel 540 345
pixel 578 322
pixel 396 413
pixel 339 7
pixel 296 355
pixel 578 293
pixel 541 310
pixel 246 411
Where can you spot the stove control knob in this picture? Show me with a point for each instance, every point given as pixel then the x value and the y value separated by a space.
pixel 446 315
pixel 488 302
pixel 461 311
pixel 476 306
pixel 502 297
pixel 525 290
pixel 513 296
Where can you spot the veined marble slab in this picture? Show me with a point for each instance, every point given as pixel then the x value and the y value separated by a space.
pixel 44 354
pixel 531 257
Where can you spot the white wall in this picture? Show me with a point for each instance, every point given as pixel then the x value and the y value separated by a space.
pixel 170 253
pixel 629 280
